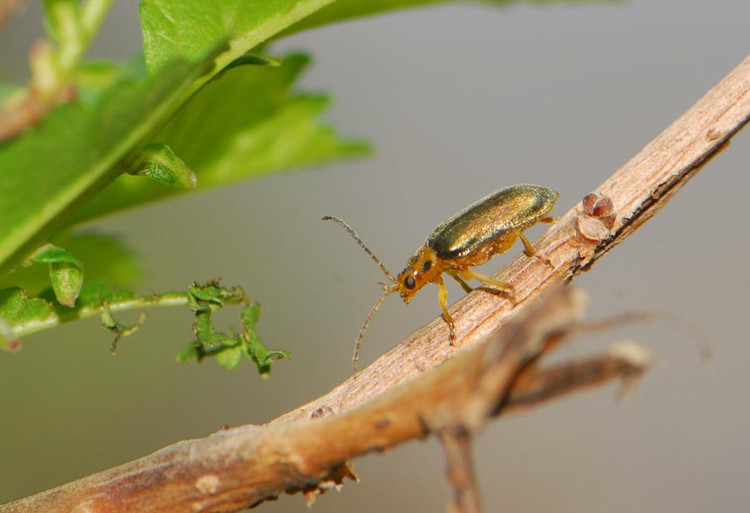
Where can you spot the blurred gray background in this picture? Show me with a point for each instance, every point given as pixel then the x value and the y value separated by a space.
pixel 459 100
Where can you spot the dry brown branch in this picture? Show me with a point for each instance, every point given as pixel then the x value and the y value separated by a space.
pixel 244 466
pixel 233 468
pixel 26 108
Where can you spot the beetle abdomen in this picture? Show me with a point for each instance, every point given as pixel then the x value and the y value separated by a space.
pixel 510 209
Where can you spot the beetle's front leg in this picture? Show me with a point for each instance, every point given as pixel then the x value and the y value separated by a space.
pixel 505 287
pixel 443 300
pixel 467 288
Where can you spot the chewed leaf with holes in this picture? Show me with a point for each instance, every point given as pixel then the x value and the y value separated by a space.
pixel 254 348
pixel 204 299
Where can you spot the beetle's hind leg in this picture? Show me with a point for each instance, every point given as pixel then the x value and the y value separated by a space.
pixel 468 274
pixel 443 300
pixel 529 249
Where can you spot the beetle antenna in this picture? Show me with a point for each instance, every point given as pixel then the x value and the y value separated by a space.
pixel 367 250
pixel 361 335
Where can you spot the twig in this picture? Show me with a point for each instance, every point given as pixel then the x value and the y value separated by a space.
pixel 240 467
pixel 243 466
pixel 458 448
pixel 53 61
pixel 27 107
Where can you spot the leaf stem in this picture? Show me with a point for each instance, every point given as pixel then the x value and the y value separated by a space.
pixel 57 318
pixel 70 37
pixel 93 13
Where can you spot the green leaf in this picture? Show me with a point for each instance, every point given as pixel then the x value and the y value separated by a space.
pixel 65 272
pixel 52 169
pixel 51 254
pixel 184 28
pixel 244 125
pixel 159 163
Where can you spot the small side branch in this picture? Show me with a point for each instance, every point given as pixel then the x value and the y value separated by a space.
pixel 458 454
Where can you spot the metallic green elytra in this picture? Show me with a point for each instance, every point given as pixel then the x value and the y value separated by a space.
pixel 511 209
pixel 468 239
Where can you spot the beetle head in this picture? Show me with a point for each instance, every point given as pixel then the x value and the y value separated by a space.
pixel 421 270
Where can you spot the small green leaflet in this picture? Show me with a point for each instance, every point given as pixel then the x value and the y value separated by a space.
pixel 65 272
pixel 159 162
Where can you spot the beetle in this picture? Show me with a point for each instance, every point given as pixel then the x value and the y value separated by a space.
pixel 468 239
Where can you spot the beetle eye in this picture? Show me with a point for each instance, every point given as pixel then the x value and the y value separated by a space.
pixel 426 266
pixel 409 282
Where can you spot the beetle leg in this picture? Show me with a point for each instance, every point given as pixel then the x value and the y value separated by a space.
pixel 443 300
pixel 527 247
pixel 530 252
pixel 467 288
pixel 471 273
pixel 548 220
